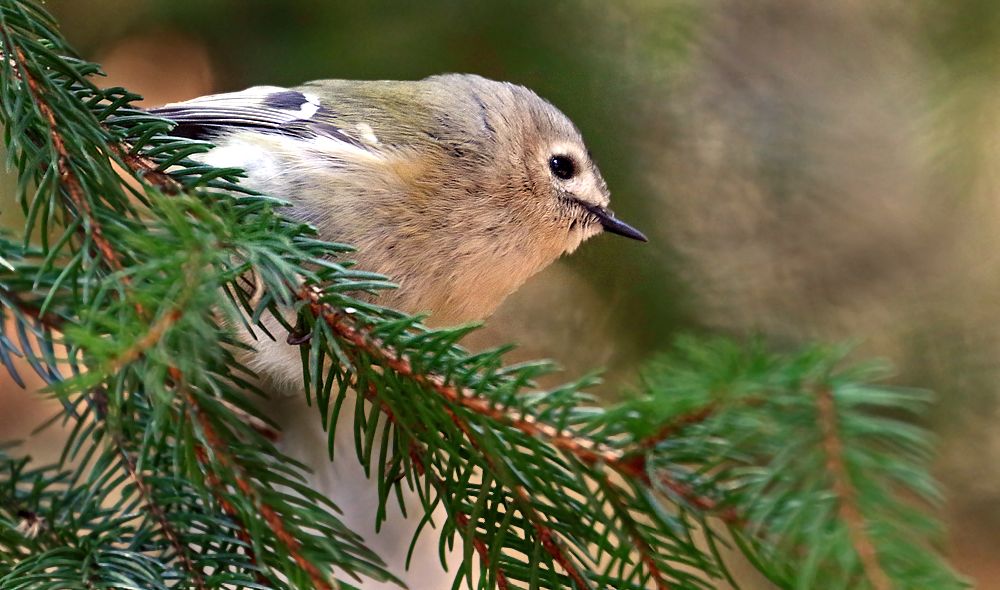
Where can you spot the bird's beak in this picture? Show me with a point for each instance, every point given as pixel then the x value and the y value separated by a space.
pixel 612 224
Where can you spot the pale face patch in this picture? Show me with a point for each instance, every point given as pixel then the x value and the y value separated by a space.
pixel 584 184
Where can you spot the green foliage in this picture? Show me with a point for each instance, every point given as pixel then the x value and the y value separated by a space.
pixel 813 458
pixel 125 296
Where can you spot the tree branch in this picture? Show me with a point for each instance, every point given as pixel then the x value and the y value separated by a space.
pixel 848 508
pixel 419 455
pixel 146 169
pixel 586 450
pixel 612 490
pixel 402 366
pixel 98 400
pixel 157 330
pixel 216 485
pixel 66 175
pixel 273 519
pixel 100 403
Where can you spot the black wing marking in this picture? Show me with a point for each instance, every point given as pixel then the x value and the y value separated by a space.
pixel 266 109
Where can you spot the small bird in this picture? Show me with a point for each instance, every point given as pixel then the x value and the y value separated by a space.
pixel 456 187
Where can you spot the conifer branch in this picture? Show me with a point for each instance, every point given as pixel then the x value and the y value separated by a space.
pixel 339 323
pixel 646 553
pixel 93 231
pixel 418 455
pixel 586 450
pixel 845 493
pixel 152 337
pixel 146 169
pixel 217 487
pixel 69 179
pixel 462 519
pixel 549 539
pixel 218 451
pixel 99 400
pixel 675 426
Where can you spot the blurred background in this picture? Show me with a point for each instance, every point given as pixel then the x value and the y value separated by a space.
pixel 805 170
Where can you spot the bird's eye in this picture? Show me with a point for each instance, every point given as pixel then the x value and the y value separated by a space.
pixel 562 166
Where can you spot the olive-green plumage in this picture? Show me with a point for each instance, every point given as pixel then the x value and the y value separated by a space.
pixel 446 185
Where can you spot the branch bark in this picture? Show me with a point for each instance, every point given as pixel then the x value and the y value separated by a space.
pixel 848 507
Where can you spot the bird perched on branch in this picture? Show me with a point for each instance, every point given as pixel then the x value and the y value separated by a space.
pixel 456 187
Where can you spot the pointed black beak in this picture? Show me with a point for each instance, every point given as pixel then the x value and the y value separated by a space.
pixel 612 224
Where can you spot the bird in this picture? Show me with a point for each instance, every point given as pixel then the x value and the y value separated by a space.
pixel 456 187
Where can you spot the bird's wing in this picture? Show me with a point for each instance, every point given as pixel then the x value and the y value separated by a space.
pixel 263 109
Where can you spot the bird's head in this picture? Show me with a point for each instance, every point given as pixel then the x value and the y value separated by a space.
pixel 532 162
pixel 504 186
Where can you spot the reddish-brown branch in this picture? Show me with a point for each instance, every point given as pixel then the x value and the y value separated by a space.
pixel 844 490
pixel 545 535
pixel 677 424
pixel 69 179
pixel 420 462
pixel 645 552
pixel 161 517
pixel 584 448
pixel 147 170
pixel 632 465
pixel 271 517
pixel 216 485
pixel 149 339
pixel 256 424
pixel 484 552
pixel 99 399
pixel 549 542
pixel 542 529
pixel 555 550
pixel 66 175
pixel 730 516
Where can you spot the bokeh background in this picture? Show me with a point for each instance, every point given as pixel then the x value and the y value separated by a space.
pixel 805 170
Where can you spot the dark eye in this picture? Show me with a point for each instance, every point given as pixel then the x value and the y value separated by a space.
pixel 562 166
